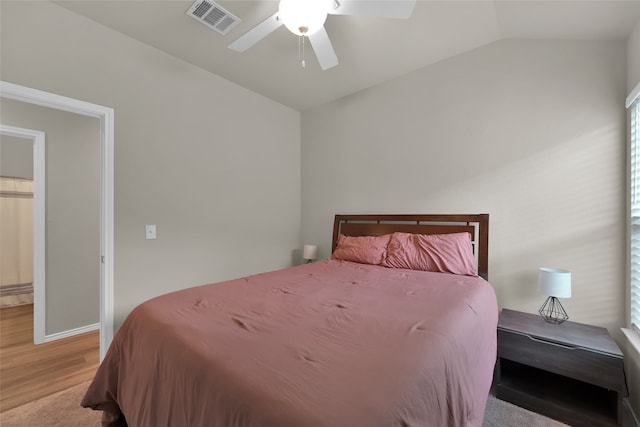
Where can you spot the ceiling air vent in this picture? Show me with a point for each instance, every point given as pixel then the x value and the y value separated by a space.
pixel 213 16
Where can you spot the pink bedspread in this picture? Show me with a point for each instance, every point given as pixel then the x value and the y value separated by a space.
pixel 331 343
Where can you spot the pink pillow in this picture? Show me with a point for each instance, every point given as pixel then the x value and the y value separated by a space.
pixel 446 253
pixel 362 249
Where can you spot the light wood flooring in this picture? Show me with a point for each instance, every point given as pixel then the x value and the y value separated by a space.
pixel 28 371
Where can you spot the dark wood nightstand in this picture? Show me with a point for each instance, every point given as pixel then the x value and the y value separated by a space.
pixel 571 372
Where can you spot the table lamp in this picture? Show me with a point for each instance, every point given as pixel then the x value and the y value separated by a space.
pixel 555 283
pixel 310 252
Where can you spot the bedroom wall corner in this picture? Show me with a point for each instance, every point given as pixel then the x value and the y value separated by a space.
pixel 215 166
pixel 531 132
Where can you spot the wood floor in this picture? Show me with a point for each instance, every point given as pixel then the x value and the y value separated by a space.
pixel 29 372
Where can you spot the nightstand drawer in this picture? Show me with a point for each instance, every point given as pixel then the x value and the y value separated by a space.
pixel 593 367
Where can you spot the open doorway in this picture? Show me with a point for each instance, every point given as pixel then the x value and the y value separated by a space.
pixel 67 290
pixel 22 220
pixel 87 348
pixel 16 221
pixel 29 371
pixel 105 115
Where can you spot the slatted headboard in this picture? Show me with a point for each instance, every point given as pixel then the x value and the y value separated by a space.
pixel 377 225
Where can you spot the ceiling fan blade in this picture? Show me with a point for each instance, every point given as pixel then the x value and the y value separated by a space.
pixel 256 34
pixel 400 9
pixel 323 49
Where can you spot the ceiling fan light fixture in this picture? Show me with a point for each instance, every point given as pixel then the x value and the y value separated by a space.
pixel 303 17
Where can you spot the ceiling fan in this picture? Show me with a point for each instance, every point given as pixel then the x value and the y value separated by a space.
pixel 306 18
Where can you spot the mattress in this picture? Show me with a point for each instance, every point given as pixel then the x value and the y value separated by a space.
pixel 331 343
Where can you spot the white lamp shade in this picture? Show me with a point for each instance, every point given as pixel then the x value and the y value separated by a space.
pixel 554 282
pixel 303 17
pixel 310 252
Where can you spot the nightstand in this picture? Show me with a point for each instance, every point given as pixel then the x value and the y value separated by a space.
pixel 571 372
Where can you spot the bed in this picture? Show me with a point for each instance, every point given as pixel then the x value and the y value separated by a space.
pixel 338 342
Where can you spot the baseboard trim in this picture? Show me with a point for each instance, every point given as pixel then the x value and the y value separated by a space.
pixel 71 332
pixel 629 418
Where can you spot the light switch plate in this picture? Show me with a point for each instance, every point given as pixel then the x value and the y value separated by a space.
pixel 150 231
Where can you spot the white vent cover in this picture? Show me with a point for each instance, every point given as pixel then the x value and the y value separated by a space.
pixel 213 16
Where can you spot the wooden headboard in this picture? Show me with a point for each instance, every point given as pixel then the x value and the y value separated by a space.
pixel 377 225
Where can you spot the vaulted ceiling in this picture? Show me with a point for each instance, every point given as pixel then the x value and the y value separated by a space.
pixel 369 50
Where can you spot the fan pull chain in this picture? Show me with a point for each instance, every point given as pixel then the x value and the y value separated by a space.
pixel 301 51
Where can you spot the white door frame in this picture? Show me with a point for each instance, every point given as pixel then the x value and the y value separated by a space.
pixel 39 253
pixel 106 117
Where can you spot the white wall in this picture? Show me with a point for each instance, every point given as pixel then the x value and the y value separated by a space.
pixel 531 132
pixel 215 166
pixel 633 58
pixel 16 156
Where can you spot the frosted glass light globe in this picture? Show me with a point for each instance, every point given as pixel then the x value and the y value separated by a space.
pixel 303 17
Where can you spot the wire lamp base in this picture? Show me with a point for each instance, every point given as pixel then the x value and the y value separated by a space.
pixel 552 311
